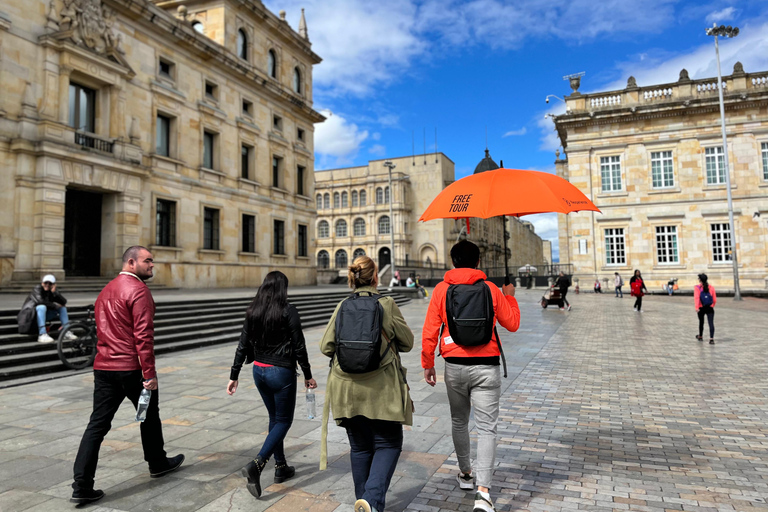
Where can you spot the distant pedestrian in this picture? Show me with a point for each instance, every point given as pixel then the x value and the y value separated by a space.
pixel 618 282
pixel 124 366
pixel 636 288
pixel 562 284
pixel 422 291
pixel 598 286
pixel 671 286
pixel 704 299
pixel 273 341
pixel 43 305
pixel 367 391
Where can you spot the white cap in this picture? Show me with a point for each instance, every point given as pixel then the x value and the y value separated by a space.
pixel 50 278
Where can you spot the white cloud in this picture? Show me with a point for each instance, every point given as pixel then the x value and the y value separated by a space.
pixel 515 133
pixel 336 140
pixel 721 16
pixel 377 149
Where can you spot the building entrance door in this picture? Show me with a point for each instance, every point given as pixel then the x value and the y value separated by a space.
pixel 82 233
pixel 385 257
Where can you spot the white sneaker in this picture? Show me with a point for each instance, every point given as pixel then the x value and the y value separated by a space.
pixel 569 307
pixel 635 308
pixel 466 481
pixel 69 336
pixel 483 504
pixel 44 338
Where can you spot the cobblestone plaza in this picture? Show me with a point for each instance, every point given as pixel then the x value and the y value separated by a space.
pixel 604 409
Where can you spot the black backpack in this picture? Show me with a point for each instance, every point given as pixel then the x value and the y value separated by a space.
pixel 358 333
pixel 469 310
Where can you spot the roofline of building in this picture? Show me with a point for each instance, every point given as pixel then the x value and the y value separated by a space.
pixel 384 160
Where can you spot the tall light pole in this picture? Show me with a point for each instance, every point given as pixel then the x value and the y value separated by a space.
pixel 728 31
pixel 389 165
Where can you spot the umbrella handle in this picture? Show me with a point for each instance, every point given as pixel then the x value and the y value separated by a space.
pixel 506 279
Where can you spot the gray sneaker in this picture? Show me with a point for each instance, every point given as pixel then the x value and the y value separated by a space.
pixel 466 481
pixel 483 504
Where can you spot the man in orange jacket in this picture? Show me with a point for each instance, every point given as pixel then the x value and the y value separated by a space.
pixel 472 373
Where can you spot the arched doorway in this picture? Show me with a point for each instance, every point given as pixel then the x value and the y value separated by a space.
pixel 385 257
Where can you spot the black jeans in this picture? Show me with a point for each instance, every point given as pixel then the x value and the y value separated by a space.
pixel 109 391
pixel 639 302
pixel 563 300
pixel 375 447
pixel 277 386
pixel 709 312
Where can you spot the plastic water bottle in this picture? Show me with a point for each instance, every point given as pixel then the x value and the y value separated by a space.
pixel 141 410
pixel 310 396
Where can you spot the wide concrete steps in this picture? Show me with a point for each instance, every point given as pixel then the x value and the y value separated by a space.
pixel 71 285
pixel 179 325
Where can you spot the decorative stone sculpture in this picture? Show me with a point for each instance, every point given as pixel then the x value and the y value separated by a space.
pixel 684 75
pixel 282 16
pixel 303 26
pixel 181 12
pixel 631 83
pixel 557 154
pixel 53 20
pixel 738 68
pixel 89 23
pixel 575 82
pixel 133 132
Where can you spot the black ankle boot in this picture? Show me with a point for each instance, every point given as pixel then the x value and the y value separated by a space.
pixel 283 472
pixel 252 472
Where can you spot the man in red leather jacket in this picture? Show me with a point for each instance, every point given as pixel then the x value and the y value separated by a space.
pixel 124 365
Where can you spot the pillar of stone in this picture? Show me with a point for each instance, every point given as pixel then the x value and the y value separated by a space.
pixel 64 73
pixel 116 114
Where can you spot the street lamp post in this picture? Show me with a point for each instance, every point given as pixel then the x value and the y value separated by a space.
pixel 389 165
pixel 728 31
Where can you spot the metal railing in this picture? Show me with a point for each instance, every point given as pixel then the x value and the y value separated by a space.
pixel 90 141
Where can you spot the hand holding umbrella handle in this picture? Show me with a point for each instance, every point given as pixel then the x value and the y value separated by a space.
pixel 506 279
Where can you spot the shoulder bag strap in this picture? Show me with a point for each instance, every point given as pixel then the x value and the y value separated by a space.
pixel 501 350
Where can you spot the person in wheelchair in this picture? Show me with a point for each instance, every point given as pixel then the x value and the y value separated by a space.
pixel 44 304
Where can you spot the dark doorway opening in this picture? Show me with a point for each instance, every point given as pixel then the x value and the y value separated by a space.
pixel 82 233
pixel 384 257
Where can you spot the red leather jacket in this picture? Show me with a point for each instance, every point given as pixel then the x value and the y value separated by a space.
pixel 125 323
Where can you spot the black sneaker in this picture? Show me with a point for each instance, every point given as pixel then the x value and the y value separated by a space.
pixel 283 472
pixel 89 496
pixel 252 472
pixel 173 463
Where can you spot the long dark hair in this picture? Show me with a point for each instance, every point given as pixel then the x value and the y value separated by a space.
pixel 265 314
pixel 704 285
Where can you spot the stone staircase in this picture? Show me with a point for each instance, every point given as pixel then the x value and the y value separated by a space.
pixel 179 325
pixel 69 285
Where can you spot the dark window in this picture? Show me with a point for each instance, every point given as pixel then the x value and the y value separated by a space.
pixel 211 91
pixel 341 258
pixel 300 172
pixel 165 69
pixel 165 229
pixel 211 229
pixel 276 165
pixel 277 123
pixel 302 249
pixel 247 108
pixel 272 63
pixel 296 81
pixel 208 139
pixel 245 162
pixel 323 259
pixel 279 237
pixel 82 108
pixel 249 233
pixel 300 134
pixel 163 135
pixel 242 44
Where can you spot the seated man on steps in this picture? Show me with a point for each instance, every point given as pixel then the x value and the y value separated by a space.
pixel 48 305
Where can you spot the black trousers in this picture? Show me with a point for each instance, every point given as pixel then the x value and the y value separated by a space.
pixel 639 302
pixel 109 391
pixel 563 300
pixel 709 312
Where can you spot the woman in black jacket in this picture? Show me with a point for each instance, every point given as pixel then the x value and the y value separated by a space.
pixel 272 339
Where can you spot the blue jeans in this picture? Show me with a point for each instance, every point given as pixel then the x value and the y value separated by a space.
pixel 375 447
pixel 46 315
pixel 277 387
pixel 619 292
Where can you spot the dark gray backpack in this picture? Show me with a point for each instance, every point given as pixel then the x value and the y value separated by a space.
pixel 358 333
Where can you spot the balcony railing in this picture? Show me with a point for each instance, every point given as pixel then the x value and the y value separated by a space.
pixel 91 141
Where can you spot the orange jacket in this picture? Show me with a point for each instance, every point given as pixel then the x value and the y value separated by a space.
pixel 505 309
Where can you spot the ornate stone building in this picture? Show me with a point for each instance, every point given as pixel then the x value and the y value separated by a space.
pixel 184 125
pixel 651 158
pixel 353 213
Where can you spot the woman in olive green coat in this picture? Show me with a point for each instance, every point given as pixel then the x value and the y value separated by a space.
pixel 373 406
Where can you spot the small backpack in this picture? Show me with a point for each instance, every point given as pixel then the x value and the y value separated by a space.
pixel 637 288
pixel 358 333
pixel 705 297
pixel 469 310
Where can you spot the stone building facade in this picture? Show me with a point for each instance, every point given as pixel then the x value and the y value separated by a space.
pixel 353 213
pixel 651 158
pixel 184 125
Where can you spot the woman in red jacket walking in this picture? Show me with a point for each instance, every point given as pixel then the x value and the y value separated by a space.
pixel 705 298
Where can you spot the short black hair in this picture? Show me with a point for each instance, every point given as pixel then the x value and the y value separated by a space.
pixel 465 254
pixel 133 252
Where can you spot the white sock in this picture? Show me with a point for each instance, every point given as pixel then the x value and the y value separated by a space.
pixel 485 495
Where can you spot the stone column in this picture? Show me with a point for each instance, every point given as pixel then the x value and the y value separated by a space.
pixel 116 111
pixel 64 73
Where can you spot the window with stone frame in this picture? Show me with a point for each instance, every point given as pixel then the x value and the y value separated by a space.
pixel 211 229
pixel 362 198
pixel 359 227
pixel 301 249
pixel 715 163
pixel 319 201
pixel 279 237
pixel 721 242
pixel 323 229
pixel 341 259
pixel 764 147
pixel 336 200
pixel 344 200
pixel 354 198
pixel 662 169
pixel 272 63
pixel 277 167
pixel 163 135
pixel 666 245
pixel 341 228
pixel 323 259
pixel 326 200
pixel 379 195
pixel 242 44
pixel 246 157
pixel 384 225
pixel 615 248
pixel 610 173
pixel 165 223
pixel 297 81
pixel 249 233
pixel 301 176
pixel 358 252
pixel 82 108
pixel 386 195
pixel 209 148
pixel 166 69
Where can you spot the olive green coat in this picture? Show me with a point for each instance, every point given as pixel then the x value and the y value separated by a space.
pixel 381 394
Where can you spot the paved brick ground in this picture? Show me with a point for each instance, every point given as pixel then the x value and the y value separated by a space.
pixel 605 409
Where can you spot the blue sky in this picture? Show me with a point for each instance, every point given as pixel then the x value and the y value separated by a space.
pixel 396 68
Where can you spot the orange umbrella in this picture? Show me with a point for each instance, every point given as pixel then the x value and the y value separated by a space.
pixel 506 192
